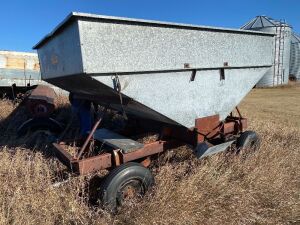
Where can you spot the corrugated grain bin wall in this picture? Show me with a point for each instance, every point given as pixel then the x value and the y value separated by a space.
pixel 20 68
pixel 279 74
pixel 295 57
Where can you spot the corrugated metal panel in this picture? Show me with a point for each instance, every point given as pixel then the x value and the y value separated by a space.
pixel 21 68
pixel 295 57
pixel 260 22
pixel 279 74
pixel 19 60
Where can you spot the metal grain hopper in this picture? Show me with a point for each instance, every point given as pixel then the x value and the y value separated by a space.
pixel 185 78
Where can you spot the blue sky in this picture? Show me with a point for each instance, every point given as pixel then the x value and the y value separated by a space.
pixel 24 22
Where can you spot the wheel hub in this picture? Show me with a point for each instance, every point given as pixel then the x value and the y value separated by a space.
pixel 129 190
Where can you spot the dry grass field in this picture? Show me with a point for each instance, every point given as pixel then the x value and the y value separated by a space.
pixel 261 188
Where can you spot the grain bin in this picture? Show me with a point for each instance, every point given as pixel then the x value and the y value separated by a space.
pixel 20 68
pixel 295 57
pixel 279 74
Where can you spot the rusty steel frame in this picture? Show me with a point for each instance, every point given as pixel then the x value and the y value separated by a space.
pixel 92 164
pixel 90 135
pixel 82 166
pixel 147 150
pixel 106 160
pixel 40 103
pixel 206 129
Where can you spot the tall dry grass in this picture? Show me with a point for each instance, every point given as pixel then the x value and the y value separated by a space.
pixel 260 188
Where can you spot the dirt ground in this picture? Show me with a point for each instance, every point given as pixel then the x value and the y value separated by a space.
pixel 262 188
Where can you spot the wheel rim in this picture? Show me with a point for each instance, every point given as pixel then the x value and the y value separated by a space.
pixel 253 145
pixel 249 148
pixel 130 190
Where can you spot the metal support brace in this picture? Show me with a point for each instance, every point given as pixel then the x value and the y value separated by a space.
pixel 202 150
pixel 90 135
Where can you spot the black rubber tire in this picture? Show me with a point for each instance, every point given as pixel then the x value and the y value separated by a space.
pixel 249 140
pixel 35 124
pixel 112 185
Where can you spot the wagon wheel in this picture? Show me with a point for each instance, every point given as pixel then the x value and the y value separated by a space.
pixel 35 124
pixel 248 142
pixel 125 182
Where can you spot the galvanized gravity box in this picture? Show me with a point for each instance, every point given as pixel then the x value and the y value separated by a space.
pixel 168 72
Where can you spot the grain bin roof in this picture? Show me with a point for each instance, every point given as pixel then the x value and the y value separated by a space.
pixel 263 21
pixel 295 38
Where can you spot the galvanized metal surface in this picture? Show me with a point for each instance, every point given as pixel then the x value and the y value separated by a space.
pixel 93 17
pixel 295 57
pixel 130 45
pixel 281 65
pixel 117 141
pixel 181 100
pixel 203 150
pixel 155 62
pixel 261 21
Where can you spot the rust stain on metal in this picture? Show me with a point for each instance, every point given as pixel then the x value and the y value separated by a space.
pixel 62 155
pixel 37 66
pixel 92 164
pixel 41 101
pixel 91 134
pixel 147 150
pixel 117 159
pixel 54 59
pixel 19 60
pixel 229 127
pixel 180 134
pixel 146 162
pixel 244 124
pixel 210 127
pixel 83 166
pixel 43 92
pixel 15 63
pixel 207 127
